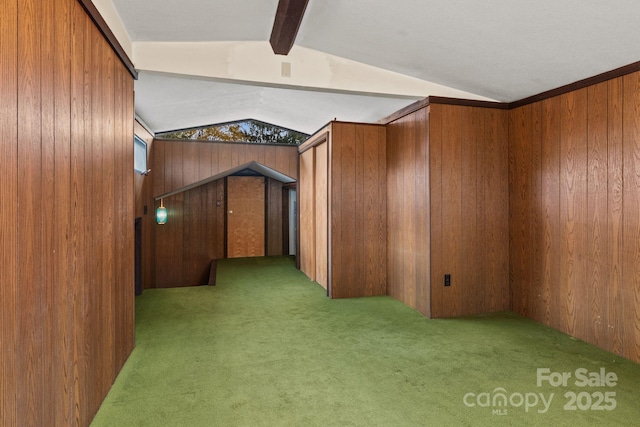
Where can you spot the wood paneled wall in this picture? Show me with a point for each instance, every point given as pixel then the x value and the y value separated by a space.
pixel 195 231
pixel 179 163
pixel 574 215
pixel 468 151
pixel 448 210
pixel 144 208
pixel 408 211
pixel 357 210
pixel 66 217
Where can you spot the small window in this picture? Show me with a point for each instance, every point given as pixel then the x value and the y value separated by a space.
pixel 139 155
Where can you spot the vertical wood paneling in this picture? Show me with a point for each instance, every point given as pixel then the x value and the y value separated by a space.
pixel 631 217
pixel 408 236
pixel 471 131
pixel 589 204
pixel 615 320
pixel 573 208
pixel 408 206
pixel 435 179
pixel 78 217
pixel 9 344
pixel 532 293
pixel 89 280
pixel 495 193
pixel 448 209
pixel 320 194
pixel 519 169
pixel 63 338
pixel 451 205
pixel 550 207
pixel 381 211
pixel 358 236
pixel 48 171
pixel 597 231
pixel 306 206
pixel 58 109
pixel 30 291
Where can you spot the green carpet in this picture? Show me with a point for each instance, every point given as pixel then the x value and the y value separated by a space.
pixel 265 347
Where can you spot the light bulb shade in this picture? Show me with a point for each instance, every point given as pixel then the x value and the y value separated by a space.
pixel 161 215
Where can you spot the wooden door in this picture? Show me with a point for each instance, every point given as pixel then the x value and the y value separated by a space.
pixel 245 216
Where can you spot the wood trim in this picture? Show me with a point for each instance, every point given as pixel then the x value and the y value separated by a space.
pixel 580 84
pixel 441 100
pixel 316 139
pixel 95 16
pixel 286 25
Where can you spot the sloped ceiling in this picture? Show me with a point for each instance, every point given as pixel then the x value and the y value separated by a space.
pixel 209 61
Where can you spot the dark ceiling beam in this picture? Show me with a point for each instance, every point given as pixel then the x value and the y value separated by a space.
pixel 286 25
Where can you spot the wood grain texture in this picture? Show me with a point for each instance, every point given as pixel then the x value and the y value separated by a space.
pixel 245 216
pixel 306 207
pixel 587 236
pixel 631 217
pixel 321 192
pixel 357 235
pixel 550 209
pixel 60 346
pixel 615 241
pixel 9 339
pixel 468 233
pixel 573 205
pixel 29 302
pixel 178 163
pixel 408 201
pixel 276 218
pixel 597 210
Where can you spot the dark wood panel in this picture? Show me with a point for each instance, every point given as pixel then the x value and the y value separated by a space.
pixel 29 302
pixel 62 404
pixel 451 206
pixel 59 138
pixel 495 167
pixel 343 202
pixel 519 169
pixel 615 297
pixel 471 135
pixel 274 236
pixel 573 210
pixel 355 233
pixel 597 277
pixel 550 202
pixel 435 182
pixel 588 287
pixel 9 341
pixel 532 293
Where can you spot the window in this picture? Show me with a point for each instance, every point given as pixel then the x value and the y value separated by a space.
pixel 248 131
pixel 139 155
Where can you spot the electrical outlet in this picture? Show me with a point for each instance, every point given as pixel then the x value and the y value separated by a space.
pixel 447 280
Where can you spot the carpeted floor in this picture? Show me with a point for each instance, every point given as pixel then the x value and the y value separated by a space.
pixel 265 347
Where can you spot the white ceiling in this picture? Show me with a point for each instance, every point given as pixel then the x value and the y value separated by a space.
pixel 360 60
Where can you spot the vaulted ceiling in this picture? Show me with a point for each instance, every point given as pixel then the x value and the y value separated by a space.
pixel 209 61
